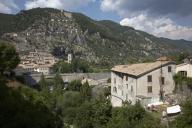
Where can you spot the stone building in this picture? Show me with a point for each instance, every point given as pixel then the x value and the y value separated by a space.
pixel 184 69
pixel 38 61
pixel 146 82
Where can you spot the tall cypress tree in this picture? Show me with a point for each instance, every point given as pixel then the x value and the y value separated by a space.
pixel 85 91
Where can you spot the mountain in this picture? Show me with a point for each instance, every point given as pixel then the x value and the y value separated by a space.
pixel 105 42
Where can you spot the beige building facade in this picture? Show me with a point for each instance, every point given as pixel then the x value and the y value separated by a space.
pixel 184 69
pixel 145 82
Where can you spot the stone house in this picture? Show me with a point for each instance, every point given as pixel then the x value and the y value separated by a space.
pixel 184 69
pixel 146 82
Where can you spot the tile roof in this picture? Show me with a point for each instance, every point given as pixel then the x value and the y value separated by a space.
pixel 179 65
pixel 140 68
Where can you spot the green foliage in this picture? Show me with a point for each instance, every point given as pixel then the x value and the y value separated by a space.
pixel 68 104
pixel 74 85
pixel 63 67
pixel 9 57
pixel 185 119
pixel 58 83
pixel 76 65
pixel 25 108
pixel 96 114
pixel 109 41
pixel 178 58
pixel 132 117
pixel 85 115
pixel 85 91
pixel 180 81
pixel 23 20
pixel 102 112
pixel 107 91
pixel 80 66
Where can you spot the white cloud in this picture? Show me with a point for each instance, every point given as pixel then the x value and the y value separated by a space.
pixel 8 6
pixel 59 4
pixel 153 16
pixel 153 7
pixel 161 27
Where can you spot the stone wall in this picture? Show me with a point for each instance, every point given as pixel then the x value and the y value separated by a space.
pixel 32 79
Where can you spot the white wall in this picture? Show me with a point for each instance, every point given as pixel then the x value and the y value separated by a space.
pixel 168 87
pixel 124 91
pixel 45 70
pixel 185 67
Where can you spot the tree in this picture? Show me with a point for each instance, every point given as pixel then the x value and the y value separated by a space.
pixel 185 119
pixel 74 85
pixel 95 113
pixel 182 82
pixel 9 58
pixel 85 91
pixel 107 91
pixel 58 83
pixel 68 103
pixel 80 66
pixel 85 116
pixel 25 108
pixel 132 116
pixel 77 65
pixel 102 111
pixel 63 67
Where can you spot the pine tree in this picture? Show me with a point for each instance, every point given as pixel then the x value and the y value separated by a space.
pixel 58 81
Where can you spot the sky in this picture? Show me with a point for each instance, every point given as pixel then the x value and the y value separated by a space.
pixel 163 18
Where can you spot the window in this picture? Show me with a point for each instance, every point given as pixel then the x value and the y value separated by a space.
pixel 169 69
pixel 127 86
pixel 162 80
pixel 126 96
pixel 126 78
pixel 149 78
pixel 122 93
pixel 131 88
pixel 114 81
pixel 115 89
pixel 150 89
pixel 183 73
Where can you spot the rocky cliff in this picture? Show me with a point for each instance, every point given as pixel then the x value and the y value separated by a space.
pixel 105 42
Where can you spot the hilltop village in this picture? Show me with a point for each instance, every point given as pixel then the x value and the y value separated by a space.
pixel 40 62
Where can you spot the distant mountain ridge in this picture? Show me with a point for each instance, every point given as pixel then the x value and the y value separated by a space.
pixel 104 42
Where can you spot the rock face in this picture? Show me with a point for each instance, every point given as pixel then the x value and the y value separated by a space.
pixel 61 32
pixel 58 34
